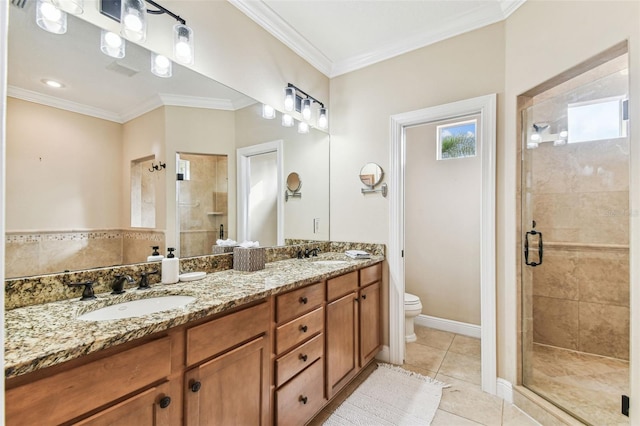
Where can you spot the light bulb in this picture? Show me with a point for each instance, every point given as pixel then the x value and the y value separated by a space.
pixel 133 23
pixel 53 83
pixel 303 127
pixel 323 120
pixel 268 112
pixel 306 108
pixel 183 43
pixel 160 65
pixel 287 120
pixel 564 134
pixel 535 137
pixel 50 18
pixel 289 98
pixel 112 44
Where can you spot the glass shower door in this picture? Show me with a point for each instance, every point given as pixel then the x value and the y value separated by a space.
pixel 575 244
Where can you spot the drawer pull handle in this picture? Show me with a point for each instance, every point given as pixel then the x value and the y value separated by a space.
pixel 304 328
pixel 303 399
pixel 303 357
pixel 165 402
pixel 304 300
pixel 195 386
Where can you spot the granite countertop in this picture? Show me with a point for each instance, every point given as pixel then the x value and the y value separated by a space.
pixel 44 335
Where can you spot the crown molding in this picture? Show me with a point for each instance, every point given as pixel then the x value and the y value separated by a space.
pixel 52 101
pixel 264 16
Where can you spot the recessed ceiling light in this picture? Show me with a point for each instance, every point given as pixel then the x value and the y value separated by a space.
pixel 53 83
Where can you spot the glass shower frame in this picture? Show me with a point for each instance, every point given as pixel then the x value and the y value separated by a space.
pixel 550 238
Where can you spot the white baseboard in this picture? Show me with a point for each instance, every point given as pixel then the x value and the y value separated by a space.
pixel 451 326
pixel 384 354
pixel 504 390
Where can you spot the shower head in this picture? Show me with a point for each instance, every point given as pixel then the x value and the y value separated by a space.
pixel 539 127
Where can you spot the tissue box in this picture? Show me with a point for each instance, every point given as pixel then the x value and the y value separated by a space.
pixel 248 259
pixel 216 249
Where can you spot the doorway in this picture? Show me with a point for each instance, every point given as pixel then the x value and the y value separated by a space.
pixel 261 194
pixel 485 108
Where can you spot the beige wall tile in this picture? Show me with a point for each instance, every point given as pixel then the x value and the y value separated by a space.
pixel 22 259
pixel 603 277
pixel 604 330
pixel 557 277
pixel 555 322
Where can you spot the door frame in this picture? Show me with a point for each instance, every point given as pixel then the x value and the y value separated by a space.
pixel 243 176
pixel 486 107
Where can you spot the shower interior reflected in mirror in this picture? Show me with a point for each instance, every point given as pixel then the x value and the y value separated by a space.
pixel 202 193
pixel 575 240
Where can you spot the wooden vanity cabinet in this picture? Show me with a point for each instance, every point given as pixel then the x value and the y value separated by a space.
pixel 370 327
pixel 229 383
pixel 299 349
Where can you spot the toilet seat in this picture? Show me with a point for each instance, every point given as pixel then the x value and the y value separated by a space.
pixel 411 299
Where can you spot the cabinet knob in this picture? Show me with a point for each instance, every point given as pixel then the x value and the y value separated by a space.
pixel 303 399
pixel 303 357
pixel 195 386
pixel 364 296
pixel 304 328
pixel 304 300
pixel 165 402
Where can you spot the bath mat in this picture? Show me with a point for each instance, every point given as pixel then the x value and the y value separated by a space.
pixel 390 396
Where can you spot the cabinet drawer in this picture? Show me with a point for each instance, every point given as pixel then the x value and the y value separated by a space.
pixel 370 274
pixel 297 302
pixel 71 393
pixel 302 397
pixel 214 337
pixel 344 284
pixel 290 334
pixel 296 360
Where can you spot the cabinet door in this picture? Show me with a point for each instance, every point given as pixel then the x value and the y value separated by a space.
pixel 230 389
pixel 370 339
pixel 342 342
pixel 148 408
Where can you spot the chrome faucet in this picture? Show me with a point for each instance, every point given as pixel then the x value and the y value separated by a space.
pixel 118 283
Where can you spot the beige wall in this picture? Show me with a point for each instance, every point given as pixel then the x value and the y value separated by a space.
pixel 62 169
pixel 263 213
pixel 463 67
pixel 442 239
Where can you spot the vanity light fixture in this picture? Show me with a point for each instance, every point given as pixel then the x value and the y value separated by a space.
pixel 268 112
pixel 287 120
pixel 289 98
pixel 133 22
pixel 75 7
pixel 183 43
pixel 50 18
pixel 298 100
pixel 306 108
pixel 323 119
pixel 112 44
pixel 160 65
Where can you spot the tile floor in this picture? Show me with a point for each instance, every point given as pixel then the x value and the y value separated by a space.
pixel 587 385
pixel 455 360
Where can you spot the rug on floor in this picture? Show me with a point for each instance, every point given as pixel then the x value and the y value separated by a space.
pixel 390 396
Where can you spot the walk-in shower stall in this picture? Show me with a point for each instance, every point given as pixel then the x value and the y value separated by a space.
pixel 575 239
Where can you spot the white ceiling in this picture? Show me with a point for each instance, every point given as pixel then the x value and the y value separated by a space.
pixel 339 36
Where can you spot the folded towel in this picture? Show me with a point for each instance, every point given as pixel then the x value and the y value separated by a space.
pixel 250 244
pixel 358 254
pixel 227 243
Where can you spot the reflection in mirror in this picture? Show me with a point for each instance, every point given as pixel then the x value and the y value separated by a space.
pixel 371 174
pixel 143 193
pixel 293 182
pixel 69 199
pixel 202 202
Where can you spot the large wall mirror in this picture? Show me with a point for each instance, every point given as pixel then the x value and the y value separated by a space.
pixel 82 191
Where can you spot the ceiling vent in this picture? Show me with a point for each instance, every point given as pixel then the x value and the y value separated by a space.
pixel 115 66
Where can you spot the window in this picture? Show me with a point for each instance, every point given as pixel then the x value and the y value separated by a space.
pixel 596 120
pixel 457 140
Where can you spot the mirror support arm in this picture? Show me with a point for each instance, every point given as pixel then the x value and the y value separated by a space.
pixel 383 190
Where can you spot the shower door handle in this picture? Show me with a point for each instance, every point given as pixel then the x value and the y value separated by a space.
pixel 533 232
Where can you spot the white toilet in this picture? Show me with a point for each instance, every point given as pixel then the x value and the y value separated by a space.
pixel 412 308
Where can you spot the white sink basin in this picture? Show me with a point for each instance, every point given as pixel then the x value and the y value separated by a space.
pixel 137 308
pixel 330 262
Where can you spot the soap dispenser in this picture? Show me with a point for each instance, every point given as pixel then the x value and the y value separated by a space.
pixel 155 256
pixel 170 268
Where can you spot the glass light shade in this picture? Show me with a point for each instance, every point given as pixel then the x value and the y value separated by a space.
pixel 532 145
pixel 111 44
pixel 323 118
pixel 75 7
pixel 183 43
pixel 50 18
pixel 287 120
pixel 306 108
pixel 160 65
pixel 535 137
pixel 303 127
pixel 564 134
pixel 133 22
pixel 268 112
pixel 289 98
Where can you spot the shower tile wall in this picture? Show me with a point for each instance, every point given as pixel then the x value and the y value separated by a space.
pixel 581 291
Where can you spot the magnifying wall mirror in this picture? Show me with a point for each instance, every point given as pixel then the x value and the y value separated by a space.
pixel 371 175
pixel 293 186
